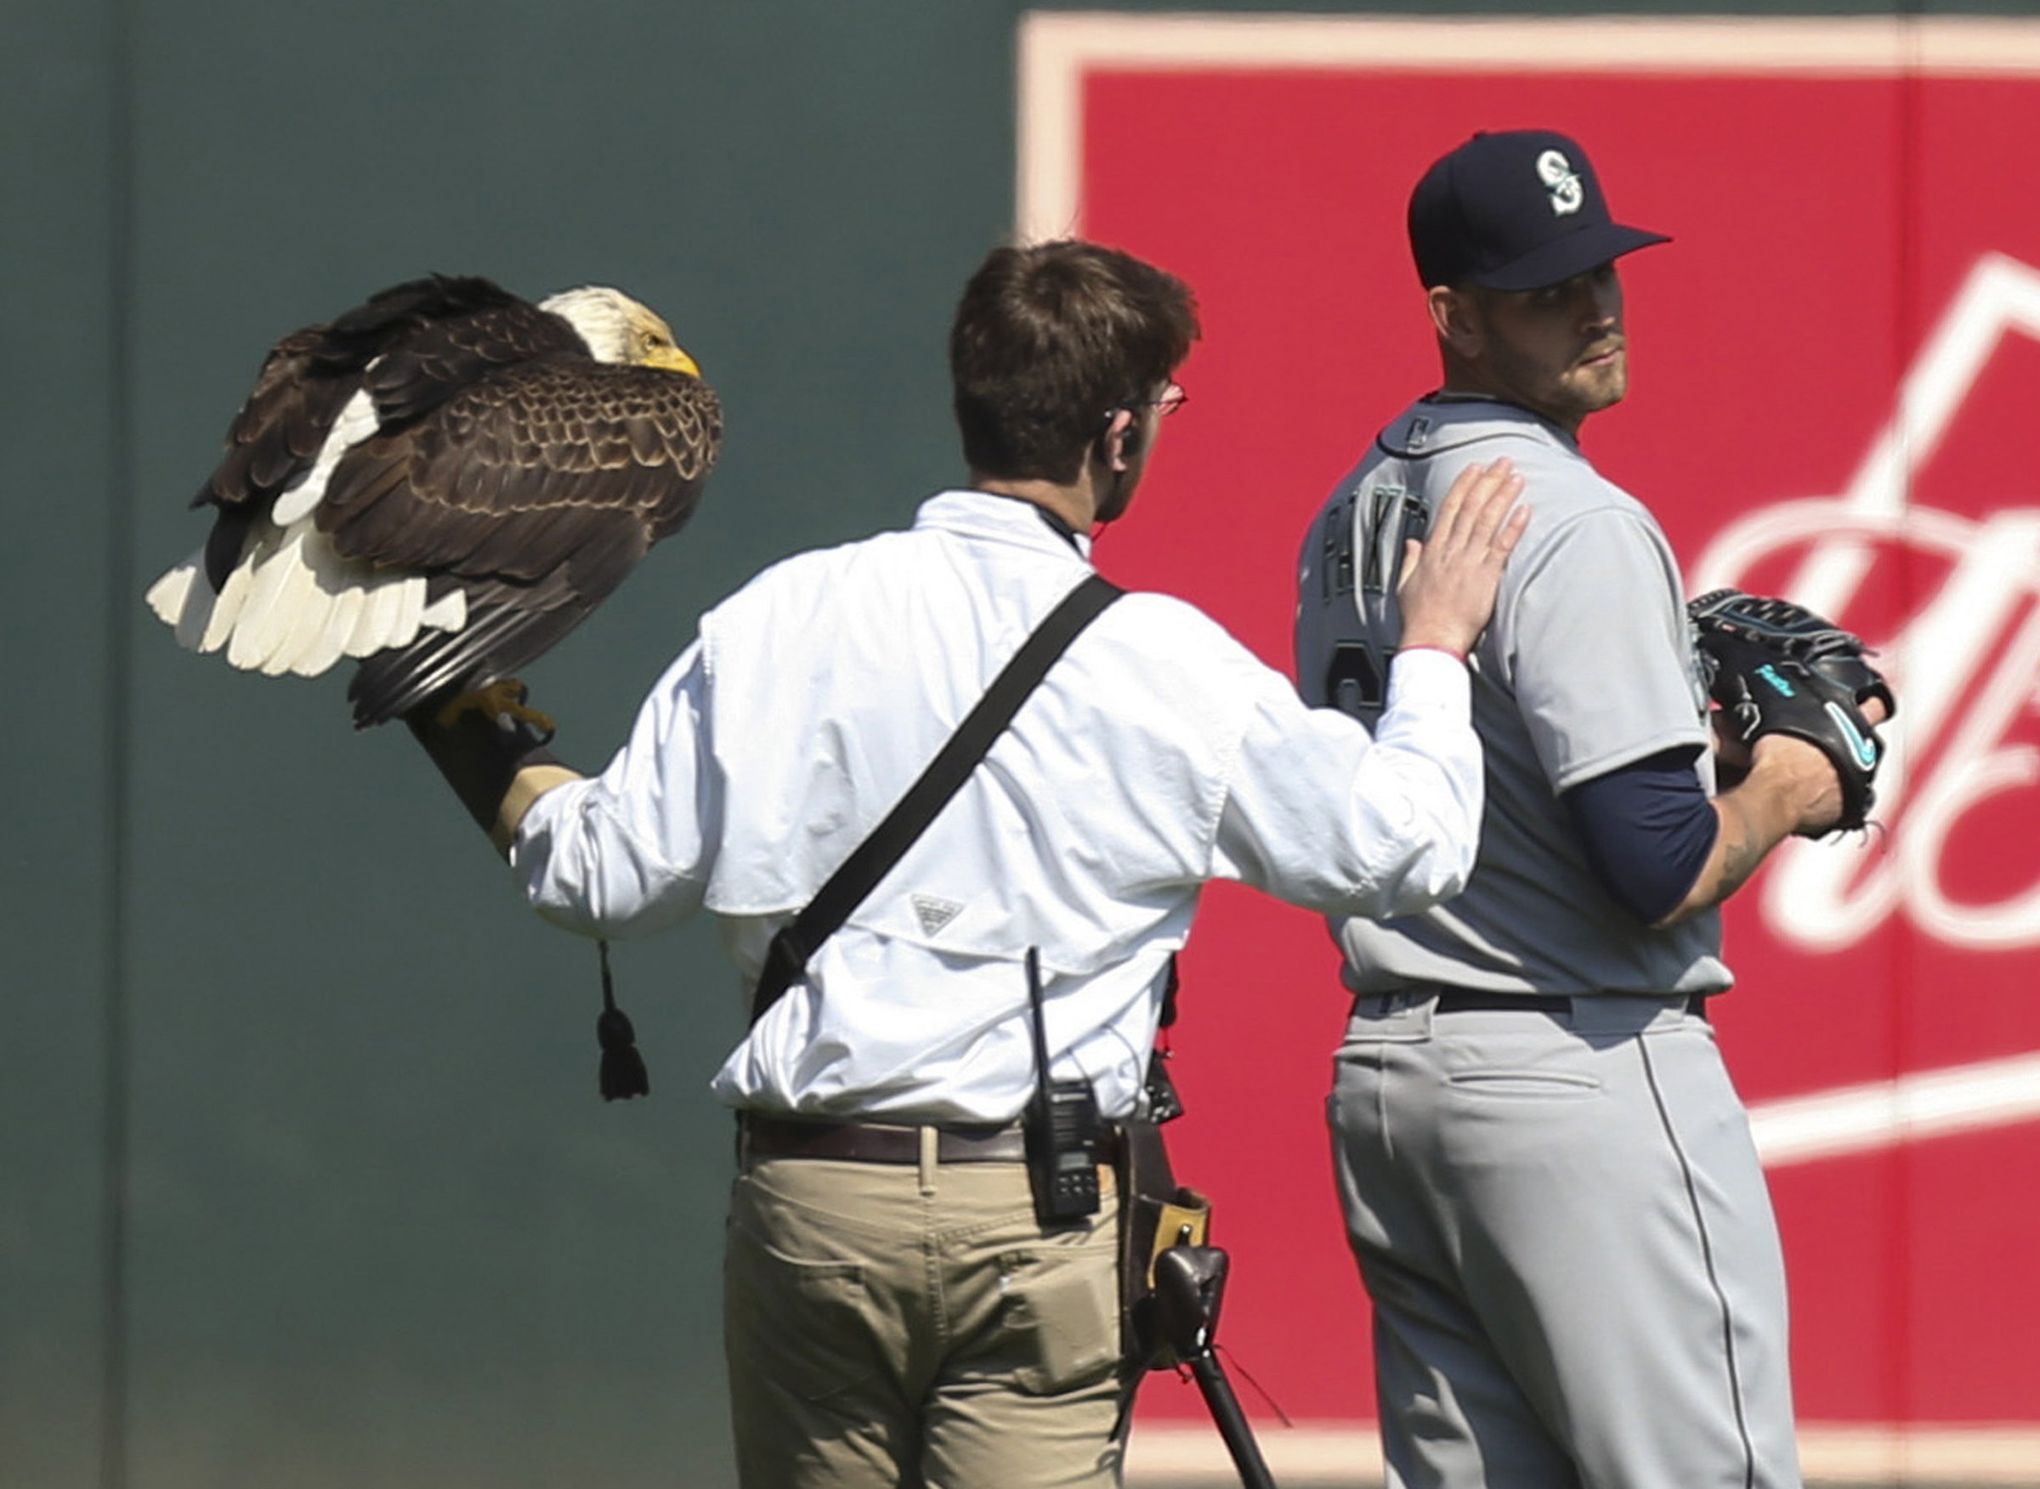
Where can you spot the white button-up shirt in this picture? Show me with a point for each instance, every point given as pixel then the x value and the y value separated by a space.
pixel 1157 754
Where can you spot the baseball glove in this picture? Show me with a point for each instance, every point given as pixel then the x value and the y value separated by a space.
pixel 1777 668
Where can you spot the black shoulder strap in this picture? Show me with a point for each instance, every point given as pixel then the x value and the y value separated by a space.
pixel 787 958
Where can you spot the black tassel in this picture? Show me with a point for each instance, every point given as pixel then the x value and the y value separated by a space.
pixel 623 1068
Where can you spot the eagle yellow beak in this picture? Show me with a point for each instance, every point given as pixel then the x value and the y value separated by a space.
pixel 670 359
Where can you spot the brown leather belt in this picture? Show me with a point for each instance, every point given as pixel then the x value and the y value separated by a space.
pixel 874 1142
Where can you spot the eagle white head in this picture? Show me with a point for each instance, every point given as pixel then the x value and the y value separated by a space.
pixel 620 329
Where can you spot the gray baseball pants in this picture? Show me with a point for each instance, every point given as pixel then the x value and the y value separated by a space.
pixel 1572 1257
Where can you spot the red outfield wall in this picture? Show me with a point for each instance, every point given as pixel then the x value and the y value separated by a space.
pixel 1834 373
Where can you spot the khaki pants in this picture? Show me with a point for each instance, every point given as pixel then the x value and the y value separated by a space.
pixel 903 1328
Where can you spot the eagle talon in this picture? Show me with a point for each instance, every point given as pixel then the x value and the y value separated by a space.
pixel 500 701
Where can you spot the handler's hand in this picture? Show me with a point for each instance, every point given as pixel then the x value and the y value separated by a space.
pixel 492 754
pixel 1449 580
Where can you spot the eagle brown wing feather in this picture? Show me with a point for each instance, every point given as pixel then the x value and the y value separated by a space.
pixel 308 376
pixel 532 442
pixel 445 356
pixel 275 437
pixel 536 490
pixel 508 627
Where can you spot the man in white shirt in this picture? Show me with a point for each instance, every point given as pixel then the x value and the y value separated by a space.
pixel 896 1313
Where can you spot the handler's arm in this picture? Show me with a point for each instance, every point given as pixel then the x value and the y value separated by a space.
pixel 621 853
pixel 631 850
pixel 1320 815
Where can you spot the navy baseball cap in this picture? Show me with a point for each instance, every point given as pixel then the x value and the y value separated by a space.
pixel 1515 210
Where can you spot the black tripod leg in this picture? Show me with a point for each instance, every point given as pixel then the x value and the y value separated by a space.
pixel 1189 1287
pixel 1231 1422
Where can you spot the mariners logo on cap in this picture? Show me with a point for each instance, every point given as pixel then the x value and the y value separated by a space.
pixel 1561 181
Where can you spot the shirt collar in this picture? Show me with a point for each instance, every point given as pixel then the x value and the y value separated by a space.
pixel 1448 397
pixel 1002 519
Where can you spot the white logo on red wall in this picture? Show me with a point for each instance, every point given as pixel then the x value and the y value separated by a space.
pixel 1961 687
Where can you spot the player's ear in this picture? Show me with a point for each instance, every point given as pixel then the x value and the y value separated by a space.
pixel 1455 318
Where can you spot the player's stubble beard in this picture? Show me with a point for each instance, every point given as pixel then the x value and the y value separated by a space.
pixel 1565 396
pixel 1590 385
pixel 1563 359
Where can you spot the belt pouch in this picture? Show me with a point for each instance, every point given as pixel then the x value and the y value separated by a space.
pixel 1155 1213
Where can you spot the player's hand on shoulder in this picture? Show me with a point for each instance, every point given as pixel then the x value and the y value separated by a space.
pixel 1450 579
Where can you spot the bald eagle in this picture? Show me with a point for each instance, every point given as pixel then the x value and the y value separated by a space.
pixel 442 483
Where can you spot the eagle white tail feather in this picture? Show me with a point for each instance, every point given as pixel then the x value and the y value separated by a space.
pixel 292 604
pixel 411 606
pixel 447 613
pixel 256 630
pixel 333 611
pixel 233 596
pixel 312 597
pixel 198 609
pixel 371 632
pixel 170 595
pixel 336 625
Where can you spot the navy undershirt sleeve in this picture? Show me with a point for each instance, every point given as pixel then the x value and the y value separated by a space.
pixel 1648 828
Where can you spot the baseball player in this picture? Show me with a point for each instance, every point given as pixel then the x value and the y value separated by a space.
pixel 1548 1181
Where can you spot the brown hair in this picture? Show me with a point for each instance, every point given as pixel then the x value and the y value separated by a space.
pixel 1048 341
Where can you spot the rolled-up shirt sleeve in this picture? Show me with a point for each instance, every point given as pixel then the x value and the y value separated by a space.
pixel 1319 814
pixel 626 852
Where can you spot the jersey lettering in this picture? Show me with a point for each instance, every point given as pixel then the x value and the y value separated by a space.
pixel 1396 516
pixel 1387 506
pixel 1336 568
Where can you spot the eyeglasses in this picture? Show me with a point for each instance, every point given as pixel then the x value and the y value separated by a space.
pixel 1173 397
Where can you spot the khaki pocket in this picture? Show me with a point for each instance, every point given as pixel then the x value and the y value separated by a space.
pixel 1061 1316
pixel 801 1325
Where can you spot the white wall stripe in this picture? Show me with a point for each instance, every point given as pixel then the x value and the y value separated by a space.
pixel 1935 1103
pixel 1177 1455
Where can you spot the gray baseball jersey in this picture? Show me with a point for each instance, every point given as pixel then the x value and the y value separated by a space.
pixel 1588 665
